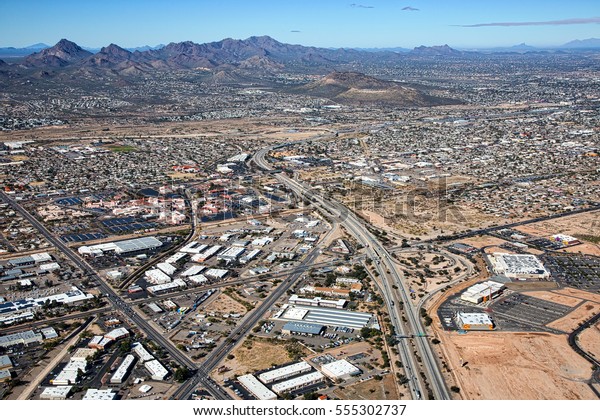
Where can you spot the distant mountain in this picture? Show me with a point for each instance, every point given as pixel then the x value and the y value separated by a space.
pixel 360 89
pixel 39 46
pixel 62 54
pixel 12 52
pixel 391 49
pixel 3 63
pixel 590 43
pixel 438 50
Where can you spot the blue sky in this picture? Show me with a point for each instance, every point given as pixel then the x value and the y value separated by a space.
pixel 324 23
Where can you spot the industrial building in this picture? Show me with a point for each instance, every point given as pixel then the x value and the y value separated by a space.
pixel 482 292
pixel 194 248
pixel 82 354
pixel 317 301
pixel 193 270
pixel 68 375
pixel 256 388
pixel 565 240
pixel 99 394
pixel 49 333
pixel 5 362
pixel 156 369
pixel 326 316
pixel 166 268
pixel 175 257
pixel 117 334
pixel 56 392
pixel 30 260
pixel 231 254
pixel 205 255
pixel 474 321
pixel 122 247
pixel 298 383
pixel 216 273
pixel 302 328
pixel 157 276
pixel 284 372
pixel 5 375
pixel 340 369
pixel 25 337
pixel 518 266
pixel 250 256
pixel 123 370
pixel 161 288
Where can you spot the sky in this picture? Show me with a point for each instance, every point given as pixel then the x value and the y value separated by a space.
pixel 320 23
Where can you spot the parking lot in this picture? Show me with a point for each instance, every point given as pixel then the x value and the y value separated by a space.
pixel 529 310
pixel 577 271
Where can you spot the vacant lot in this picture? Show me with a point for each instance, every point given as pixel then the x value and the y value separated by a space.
pixel 371 389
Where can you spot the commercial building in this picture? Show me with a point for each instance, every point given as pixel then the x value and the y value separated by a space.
pixel 198 279
pixel 298 383
pixel 5 362
pixel 30 260
pixel 284 372
pixel 256 388
pixel 250 256
pixel 327 316
pixel 205 255
pixel 82 354
pixel 117 334
pixel 5 375
pixel 122 247
pixel 175 257
pixel 216 273
pixel 56 392
pixel 142 353
pixel 99 394
pixel 482 292
pixel 194 248
pixel 317 301
pixel 49 333
pixel 566 240
pixel 302 328
pixel 156 369
pixel 518 266
pixel 193 270
pixel 123 370
pixel 68 375
pixel 25 337
pixel 340 369
pixel 474 321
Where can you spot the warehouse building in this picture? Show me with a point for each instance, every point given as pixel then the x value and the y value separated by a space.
pixel 482 292
pixel 166 268
pixel 25 337
pixel 194 248
pixel 5 375
pixel 56 392
pixel 165 287
pixel 157 276
pixel 216 273
pixel 123 370
pixel 5 362
pixel 30 260
pixel 256 388
pixel 474 321
pixel 193 270
pixel 205 255
pixel 173 259
pixel 518 266
pixel 284 372
pixel 298 383
pixel 231 254
pixel 340 369
pixel 82 354
pixel 117 334
pixel 302 328
pixel 250 256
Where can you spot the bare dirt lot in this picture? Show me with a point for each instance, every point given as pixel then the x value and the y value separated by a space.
pixel 574 318
pixel 555 297
pixel 589 340
pixel 517 366
pixel 371 389
pixel 225 305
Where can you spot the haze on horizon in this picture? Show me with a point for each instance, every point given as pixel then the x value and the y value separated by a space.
pixel 334 23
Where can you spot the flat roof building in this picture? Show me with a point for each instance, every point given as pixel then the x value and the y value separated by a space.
pixel 99 394
pixel 317 301
pixel 518 265
pixel 298 383
pixel 340 369
pixel 157 276
pixel 284 372
pixel 302 328
pixel 161 288
pixel 156 369
pixel 328 316
pixel 166 268
pixel 56 392
pixel 25 337
pixel 142 353
pixel 123 370
pixel 256 388
pixel 474 321
pixel 482 292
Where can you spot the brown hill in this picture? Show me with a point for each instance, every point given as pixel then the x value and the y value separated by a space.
pixel 62 54
pixel 360 89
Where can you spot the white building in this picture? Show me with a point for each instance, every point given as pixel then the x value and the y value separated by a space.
pixel 193 270
pixel 518 266
pixel 156 369
pixel 142 353
pixel 317 301
pixel 256 388
pixel 297 383
pixel 340 369
pixel 99 394
pixel 231 253
pixel 117 334
pixel 284 372
pixel 157 276
pixel 123 370
pixel 55 392
pixel 161 288
pixel 216 273
pixel 166 268
pixel 482 292
pixel 474 321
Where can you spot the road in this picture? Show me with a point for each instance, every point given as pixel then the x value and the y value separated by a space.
pixel 115 300
pixel 388 274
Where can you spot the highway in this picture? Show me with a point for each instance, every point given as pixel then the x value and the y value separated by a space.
pixel 389 276
pixel 115 300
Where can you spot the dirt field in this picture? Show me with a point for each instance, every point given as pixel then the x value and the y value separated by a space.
pixel 481 241
pixel 261 355
pixel 225 305
pixel 370 390
pixel 573 319
pixel 555 297
pixel 592 297
pixel 589 340
pixel 517 366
